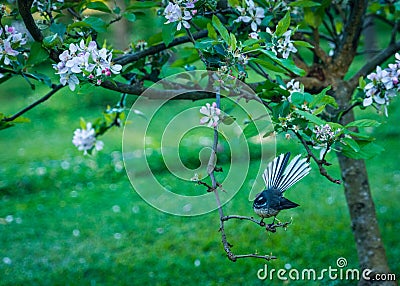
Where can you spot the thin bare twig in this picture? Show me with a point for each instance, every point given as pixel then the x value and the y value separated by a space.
pixel 39 101
pixel 214 184
pixel 319 162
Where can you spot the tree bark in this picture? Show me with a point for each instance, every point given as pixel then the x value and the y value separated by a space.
pixel 364 224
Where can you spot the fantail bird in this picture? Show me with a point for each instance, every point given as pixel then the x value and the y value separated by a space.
pixel 278 177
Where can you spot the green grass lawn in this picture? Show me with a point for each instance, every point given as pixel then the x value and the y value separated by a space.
pixel 69 219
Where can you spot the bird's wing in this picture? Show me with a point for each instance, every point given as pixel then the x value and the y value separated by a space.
pixel 274 171
pixel 296 170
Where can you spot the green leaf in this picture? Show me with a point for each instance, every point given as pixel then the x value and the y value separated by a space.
pixel 79 24
pixel 142 5
pixel 283 25
pixel 268 133
pixel 233 42
pixel 361 82
pixel 168 33
pixel 42 77
pixel 367 150
pixel 359 135
pixel 21 120
pixel 211 32
pixel 129 16
pixel 37 54
pixel 310 117
pixel 311 18
pixel 221 29
pixel 228 120
pixel 58 28
pixel 117 10
pixel 99 6
pixel 82 123
pixel 363 123
pixel 251 130
pixel 5 78
pixel 270 66
pixel 5 125
pixel 304 3
pixel 291 66
pixel 351 143
pixel 233 3
pixel 303 44
pixel 281 110
pixel 288 64
pixel 297 98
pixel 96 23
pixel 51 41
pixel 323 99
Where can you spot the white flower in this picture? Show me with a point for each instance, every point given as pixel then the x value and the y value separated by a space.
pixel 383 85
pixel 256 16
pixel 285 45
pixel 181 14
pixel 254 35
pixel 212 115
pixel 85 139
pixel 324 133
pixel 282 45
pixel 10 41
pixel 250 14
pixel 172 12
pixel 184 20
pixel 71 79
pixel 293 86
pixel 85 61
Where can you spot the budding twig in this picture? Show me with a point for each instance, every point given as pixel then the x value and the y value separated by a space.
pixel 320 163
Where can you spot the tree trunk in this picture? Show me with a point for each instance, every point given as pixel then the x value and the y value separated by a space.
pixel 364 224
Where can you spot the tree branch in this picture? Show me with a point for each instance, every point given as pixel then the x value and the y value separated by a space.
pixel 214 188
pixel 24 7
pixel 320 163
pixel 29 107
pixel 375 61
pixel 347 47
pixel 128 58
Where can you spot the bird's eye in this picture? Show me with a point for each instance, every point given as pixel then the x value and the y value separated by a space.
pixel 260 200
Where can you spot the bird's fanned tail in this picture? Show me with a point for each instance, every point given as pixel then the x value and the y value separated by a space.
pixel 279 175
pixel 274 171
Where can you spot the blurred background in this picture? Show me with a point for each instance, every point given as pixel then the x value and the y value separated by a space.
pixel 66 218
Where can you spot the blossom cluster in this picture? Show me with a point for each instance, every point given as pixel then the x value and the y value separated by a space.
pixel 282 45
pixel 324 137
pixel 384 84
pixel 85 139
pixel 250 14
pixel 10 41
pixel 212 115
pixel 324 133
pixel 87 61
pixel 181 11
